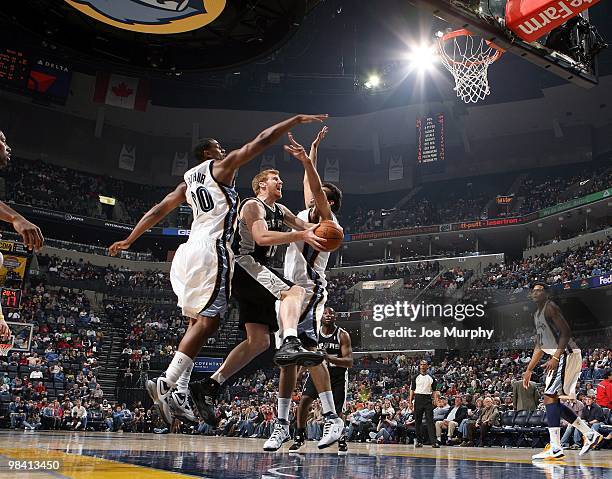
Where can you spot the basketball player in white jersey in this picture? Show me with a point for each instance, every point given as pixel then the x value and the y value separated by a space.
pixel 553 337
pixel 306 267
pixel 30 233
pixel 202 267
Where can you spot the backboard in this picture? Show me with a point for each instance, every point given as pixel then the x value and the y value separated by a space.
pixel 569 51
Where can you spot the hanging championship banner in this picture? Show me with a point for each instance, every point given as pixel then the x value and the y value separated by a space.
pixel 180 165
pixel 396 167
pixel 332 170
pixel 127 157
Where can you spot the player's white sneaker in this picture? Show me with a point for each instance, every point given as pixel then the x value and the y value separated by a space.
pixel 180 406
pixel 332 431
pixel 549 454
pixel 591 441
pixel 159 391
pixel 279 435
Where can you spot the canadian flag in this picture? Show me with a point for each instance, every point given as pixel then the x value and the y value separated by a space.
pixel 121 91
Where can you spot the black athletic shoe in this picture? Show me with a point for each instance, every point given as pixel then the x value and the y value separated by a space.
pixel 342 447
pixel 418 444
pixel 435 445
pixel 292 352
pixel 298 442
pixel 204 395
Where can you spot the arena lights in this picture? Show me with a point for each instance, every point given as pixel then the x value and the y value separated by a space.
pixel 373 81
pixel 422 57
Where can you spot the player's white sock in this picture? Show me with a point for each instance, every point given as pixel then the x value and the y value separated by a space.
pixel 218 377
pixel 180 362
pixel 555 437
pixel 327 402
pixel 283 408
pixel 289 332
pixel 183 381
pixel 582 426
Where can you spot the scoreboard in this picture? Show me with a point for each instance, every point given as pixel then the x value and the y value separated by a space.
pixel 430 139
pixel 37 75
pixel 10 298
pixel 14 67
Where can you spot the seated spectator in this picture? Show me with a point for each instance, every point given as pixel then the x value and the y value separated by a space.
pixel 451 420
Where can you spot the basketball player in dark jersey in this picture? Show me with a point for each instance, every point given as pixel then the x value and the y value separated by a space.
pixel 306 268
pixel 554 337
pixel 257 287
pixel 335 342
pixel 30 233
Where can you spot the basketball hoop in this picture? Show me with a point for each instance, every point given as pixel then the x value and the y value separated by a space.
pixel 6 344
pixel 468 59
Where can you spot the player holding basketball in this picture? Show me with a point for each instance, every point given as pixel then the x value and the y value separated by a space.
pixel 553 337
pixel 202 267
pixel 306 267
pixel 30 233
pixel 257 288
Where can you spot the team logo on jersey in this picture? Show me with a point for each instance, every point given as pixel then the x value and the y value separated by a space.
pixel 152 16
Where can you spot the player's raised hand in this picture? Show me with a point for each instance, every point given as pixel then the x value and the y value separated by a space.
pixel 30 233
pixel 118 246
pixel 320 136
pixel 297 152
pixel 311 118
pixel 312 239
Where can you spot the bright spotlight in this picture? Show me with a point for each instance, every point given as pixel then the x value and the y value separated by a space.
pixel 422 57
pixel 373 82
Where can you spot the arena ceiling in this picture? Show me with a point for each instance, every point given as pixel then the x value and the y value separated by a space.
pixel 272 55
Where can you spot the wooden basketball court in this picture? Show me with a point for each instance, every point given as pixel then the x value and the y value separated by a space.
pixel 125 455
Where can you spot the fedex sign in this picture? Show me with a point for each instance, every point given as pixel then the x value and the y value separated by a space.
pixel 531 19
pixel 604 280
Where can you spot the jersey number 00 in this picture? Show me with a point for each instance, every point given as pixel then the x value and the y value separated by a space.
pixel 202 199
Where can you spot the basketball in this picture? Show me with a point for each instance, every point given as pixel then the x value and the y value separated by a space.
pixel 332 233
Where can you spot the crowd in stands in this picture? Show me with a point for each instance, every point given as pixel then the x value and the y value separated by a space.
pixel 48 186
pixel 542 192
pixel 112 277
pixel 44 185
pixel 576 263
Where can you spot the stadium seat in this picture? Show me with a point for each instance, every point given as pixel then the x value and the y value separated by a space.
pixel 502 433
pixel 520 427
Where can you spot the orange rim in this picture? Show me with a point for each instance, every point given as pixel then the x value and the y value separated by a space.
pixel 464 32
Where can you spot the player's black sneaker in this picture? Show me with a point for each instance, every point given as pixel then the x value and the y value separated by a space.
pixel 342 447
pixel 292 352
pixel 204 395
pixel 298 441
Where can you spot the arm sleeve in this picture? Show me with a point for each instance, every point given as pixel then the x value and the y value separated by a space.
pixel 434 384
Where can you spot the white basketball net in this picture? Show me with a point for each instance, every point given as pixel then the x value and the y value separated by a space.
pixel 6 344
pixel 468 59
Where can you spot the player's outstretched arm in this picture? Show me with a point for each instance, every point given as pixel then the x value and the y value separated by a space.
pixel 151 218
pixel 313 155
pixel 225 169
pixel 312 181
pixel 30 233
pixel 254 216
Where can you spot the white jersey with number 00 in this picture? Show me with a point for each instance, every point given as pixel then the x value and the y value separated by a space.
pixel 213 204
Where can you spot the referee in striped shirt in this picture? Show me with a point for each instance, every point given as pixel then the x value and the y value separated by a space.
pixel 423 391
